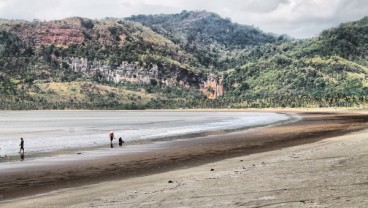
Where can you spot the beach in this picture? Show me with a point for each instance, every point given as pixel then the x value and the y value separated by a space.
pixel 319 160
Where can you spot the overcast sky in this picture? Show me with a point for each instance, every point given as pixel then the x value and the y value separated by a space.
pixel 297 18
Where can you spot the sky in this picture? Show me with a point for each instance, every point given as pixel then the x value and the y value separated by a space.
pixel 297 18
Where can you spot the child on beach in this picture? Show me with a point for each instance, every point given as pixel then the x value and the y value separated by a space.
pixel 121 141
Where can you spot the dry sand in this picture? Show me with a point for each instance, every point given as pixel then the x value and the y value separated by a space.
pixel 327 173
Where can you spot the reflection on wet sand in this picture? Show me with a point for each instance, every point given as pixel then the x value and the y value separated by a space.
pixel 21 156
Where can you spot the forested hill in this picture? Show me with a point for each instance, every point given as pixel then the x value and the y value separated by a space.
pixel 328 70
pixel 213 40
pixel 82 63
pixel 349 41
pixel 186 60
pixel 201 27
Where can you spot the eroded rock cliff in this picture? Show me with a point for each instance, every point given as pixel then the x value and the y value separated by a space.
pixel 155 74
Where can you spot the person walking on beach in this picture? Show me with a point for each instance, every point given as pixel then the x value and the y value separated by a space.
pixel 21 145
pixel 111 135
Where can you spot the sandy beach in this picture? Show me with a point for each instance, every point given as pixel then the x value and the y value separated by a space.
pixel 318 161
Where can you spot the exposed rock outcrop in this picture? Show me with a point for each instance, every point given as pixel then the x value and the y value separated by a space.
pixel 209 84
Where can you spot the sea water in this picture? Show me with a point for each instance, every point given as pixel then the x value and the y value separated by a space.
pixel 48 131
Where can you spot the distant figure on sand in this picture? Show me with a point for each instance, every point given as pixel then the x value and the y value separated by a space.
pixel 21 145
pixel 111 135
pixel 121 141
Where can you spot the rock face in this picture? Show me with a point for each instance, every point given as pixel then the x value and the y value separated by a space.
pixel 213 87
pixel 209 84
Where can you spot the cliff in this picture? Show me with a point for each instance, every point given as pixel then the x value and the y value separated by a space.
pixel 156 74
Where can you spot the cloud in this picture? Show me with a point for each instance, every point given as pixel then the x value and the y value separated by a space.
pixel 298 18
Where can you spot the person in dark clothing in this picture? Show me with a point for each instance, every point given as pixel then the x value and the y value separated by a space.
pixel 121 141
pixel 21 145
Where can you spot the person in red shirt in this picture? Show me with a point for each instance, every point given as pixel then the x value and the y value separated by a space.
pixel 111 135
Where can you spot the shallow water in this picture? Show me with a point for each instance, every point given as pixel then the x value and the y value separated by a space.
pixel 48 131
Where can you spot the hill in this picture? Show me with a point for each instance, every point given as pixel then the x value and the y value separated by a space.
pixel 213 40
pixel 329 70
pixel 185 60
pixel 106 52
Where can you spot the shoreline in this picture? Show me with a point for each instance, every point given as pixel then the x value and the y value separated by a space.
pixel 180 154
pixel 53 133
pixel 168 138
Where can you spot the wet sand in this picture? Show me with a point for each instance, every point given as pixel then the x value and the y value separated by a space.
pixel 129 169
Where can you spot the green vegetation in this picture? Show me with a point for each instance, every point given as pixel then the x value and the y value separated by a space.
pixel 211 40
pixel 329 71
pixel 164 61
